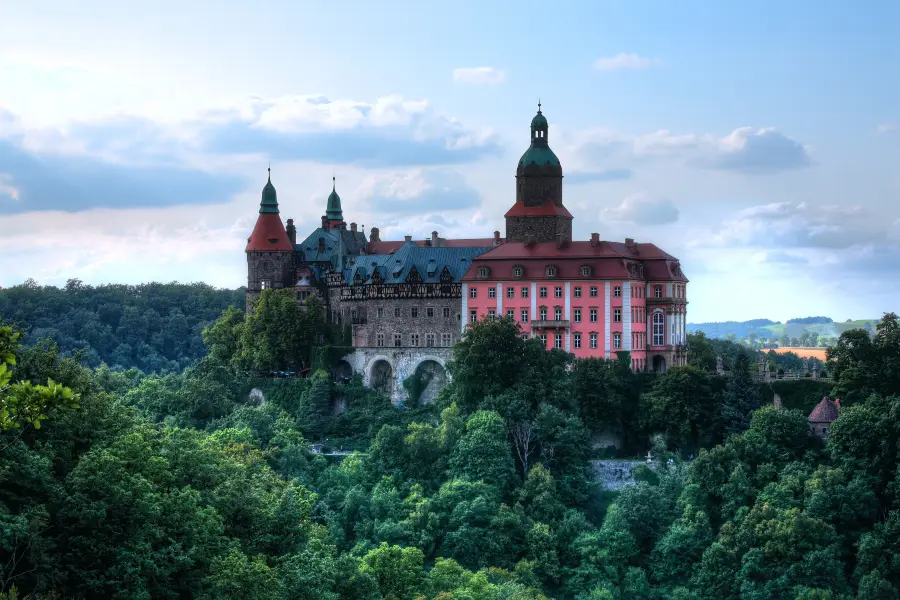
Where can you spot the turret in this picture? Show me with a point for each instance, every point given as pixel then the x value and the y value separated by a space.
pixel 539 209
pixel 333 211
pixel 270 252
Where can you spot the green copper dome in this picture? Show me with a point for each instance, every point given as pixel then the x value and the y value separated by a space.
pixel 269 202
pixel 333 210
pixel 539 152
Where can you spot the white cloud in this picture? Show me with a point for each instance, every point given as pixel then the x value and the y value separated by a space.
pixel 479 75
pixel 416 192
pixel 643 209
pixel 624 60
pixel 886 128
pixel 746 149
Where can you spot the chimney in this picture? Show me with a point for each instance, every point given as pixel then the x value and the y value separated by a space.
pixel 529 241
pixel 353 227
pixel 496 238
pixel 428 242
pixel 292 231
pixel 434 239
pixel 321 245
pixel 595 239
pixel 373 235
pixel 407 238
pixel 324 222
pixel 632 247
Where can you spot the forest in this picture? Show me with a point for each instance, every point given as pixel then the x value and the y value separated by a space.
pixel 132 484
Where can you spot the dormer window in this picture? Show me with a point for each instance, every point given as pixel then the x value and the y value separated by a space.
pixel 551 271
pixel 483 272
pixel 518 271
pixel 585 271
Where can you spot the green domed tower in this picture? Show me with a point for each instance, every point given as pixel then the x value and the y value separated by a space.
pixel 538 212
pixel 333 212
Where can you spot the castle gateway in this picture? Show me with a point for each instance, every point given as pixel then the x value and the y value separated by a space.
pixel 407 302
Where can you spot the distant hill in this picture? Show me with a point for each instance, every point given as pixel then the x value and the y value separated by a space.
pixel 805 331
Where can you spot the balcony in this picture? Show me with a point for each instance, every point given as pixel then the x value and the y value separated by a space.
pixel 542 324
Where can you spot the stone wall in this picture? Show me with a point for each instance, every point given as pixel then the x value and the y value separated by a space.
pixel 614 474
pixel 372 364
pixel 543 229
pixel 365 334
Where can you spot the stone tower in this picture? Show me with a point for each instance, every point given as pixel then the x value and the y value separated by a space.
pixel 538 214
pixel 270 253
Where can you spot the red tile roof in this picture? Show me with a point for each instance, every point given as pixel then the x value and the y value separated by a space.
pixel 826 411
pixel 547 209
pixel 269 235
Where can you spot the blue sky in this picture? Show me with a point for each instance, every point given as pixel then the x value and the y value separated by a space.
pixel 757 142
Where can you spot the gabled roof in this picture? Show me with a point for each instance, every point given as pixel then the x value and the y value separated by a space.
pixel 336 241
pixel 429 264
pixel 826 411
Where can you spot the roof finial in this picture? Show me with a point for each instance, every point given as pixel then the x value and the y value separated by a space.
pixel 333 180
pixel 539 106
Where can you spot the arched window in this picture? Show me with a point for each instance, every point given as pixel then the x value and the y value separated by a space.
pixel 659 328
pixel 551 271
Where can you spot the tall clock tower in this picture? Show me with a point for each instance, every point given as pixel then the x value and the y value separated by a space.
pixel 538 213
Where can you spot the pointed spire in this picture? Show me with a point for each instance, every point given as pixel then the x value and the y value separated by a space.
pixel 539 106
pixel 269 202
pixel 333 209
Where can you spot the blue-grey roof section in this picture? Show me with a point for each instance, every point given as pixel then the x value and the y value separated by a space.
pixel 337 242
pixel 395 268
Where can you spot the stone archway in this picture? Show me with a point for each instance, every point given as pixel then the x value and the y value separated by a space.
pixel 427 380
pixel 659 364
pixel 343 371
pixel 381 376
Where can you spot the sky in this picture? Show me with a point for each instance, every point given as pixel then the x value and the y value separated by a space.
pixel 757 142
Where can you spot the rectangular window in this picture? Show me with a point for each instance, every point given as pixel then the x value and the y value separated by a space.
pixel 657 291
pixel 380 312
pixel 492 292
pixel 593 291
pixel 617 291
pixel 473 315
pixel 578 340
pixel 397 312
pixel 510 292
pixel 397 340
pixel 265 284
pixel 543 292
pixel 429 312
pixel 617 315
pixel 473 293
pixel 557 340
pixel 557 292
pixel 414 339
pixel 593 315
pixel 379 340
pixel 524 316
pixel 446 312
pixel 593 340
pixel 578 315
pixel 445 340
pixel 492 314
pixel 617 341
pixel 429 340
pixel 524 292
pixel 578 292
pixel 544 339
pixel 659 329
pixel 543 314
pixel 510 314
pixel 557 313
pixel 414 311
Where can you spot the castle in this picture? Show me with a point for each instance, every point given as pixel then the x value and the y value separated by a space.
pixel 407 302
